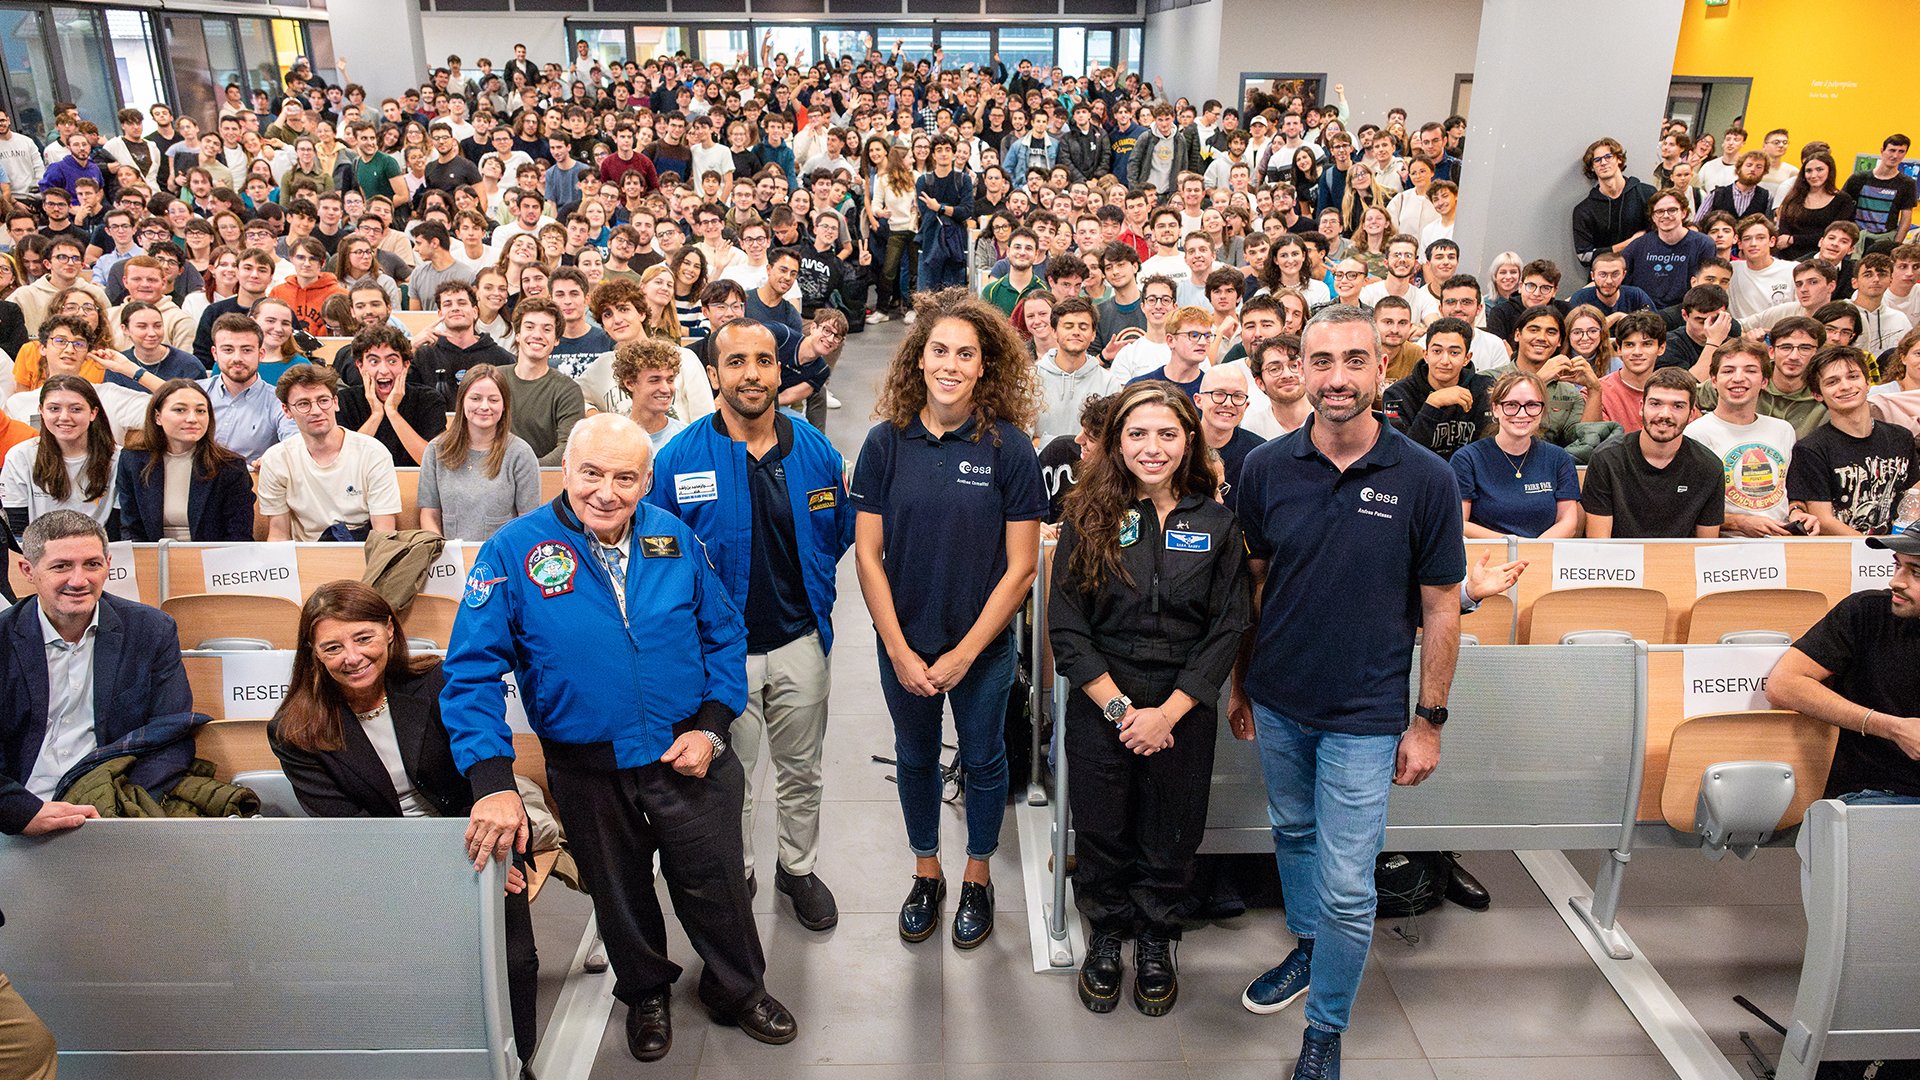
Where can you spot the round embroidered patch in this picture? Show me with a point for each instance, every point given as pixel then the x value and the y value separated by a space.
pixel 551 566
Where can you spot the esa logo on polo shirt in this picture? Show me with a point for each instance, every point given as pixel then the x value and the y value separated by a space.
pixel 975 475
pixel 1377 503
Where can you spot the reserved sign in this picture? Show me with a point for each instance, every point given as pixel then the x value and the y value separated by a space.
pixel 123 580
pixel 447 576
pixel 252 684
pixel 1727 678
pixel 1587 566
pixel 516 709
pixel 270 569
pixel 1732 567
pixel 1871 569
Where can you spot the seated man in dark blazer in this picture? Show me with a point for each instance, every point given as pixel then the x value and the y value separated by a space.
pixel 84 677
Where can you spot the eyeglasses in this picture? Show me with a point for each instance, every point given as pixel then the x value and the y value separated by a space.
pixel 1536 287
pixel 66 343
pixel 69 257
pixel 1584 331
pixel 1521 408
pixel 1168 300
pixel 1198 337
pixel 319 404
pixel 1349 273
pixel 1604 156
pixel 1222 397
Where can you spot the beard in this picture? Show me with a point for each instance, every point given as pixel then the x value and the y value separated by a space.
pixel 748 409
pixel 1362 400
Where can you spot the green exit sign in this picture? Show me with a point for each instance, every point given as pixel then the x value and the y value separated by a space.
pixel 1716 3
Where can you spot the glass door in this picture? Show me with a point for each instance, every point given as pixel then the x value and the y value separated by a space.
pixel 839 41
pixel 607 45
pixel 29 74
pixel 83 59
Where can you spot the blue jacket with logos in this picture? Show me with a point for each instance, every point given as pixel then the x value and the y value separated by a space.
pixel 539 603
pixel 702 477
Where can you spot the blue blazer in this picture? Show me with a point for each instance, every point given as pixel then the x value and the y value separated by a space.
pixel 220 509
pixel 141 702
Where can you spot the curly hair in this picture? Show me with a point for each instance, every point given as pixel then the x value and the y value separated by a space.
pixel 1009 386
pixel 1099 503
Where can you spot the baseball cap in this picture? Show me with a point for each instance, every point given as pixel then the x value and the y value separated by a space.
pixel 1905 537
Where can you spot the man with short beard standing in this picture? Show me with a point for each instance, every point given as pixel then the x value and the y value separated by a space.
pixel 1343 499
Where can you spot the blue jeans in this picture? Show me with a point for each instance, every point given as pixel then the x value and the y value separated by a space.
pixel 979 718
pixel 1327 797
pixel 936 270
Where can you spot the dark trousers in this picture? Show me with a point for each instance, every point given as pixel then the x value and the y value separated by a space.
pixel 523 974
pixel 616 821
pixel 1137 820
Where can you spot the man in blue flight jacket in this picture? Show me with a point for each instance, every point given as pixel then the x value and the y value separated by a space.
pixel 631 662
pixel 765 493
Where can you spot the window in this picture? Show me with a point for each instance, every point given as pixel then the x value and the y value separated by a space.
pixel 1130 60
pixel 1027 43
pixel 838 41
pixel 967 48
pixel 914 42
pixel 320 41
pixel 795 41
pixel 262 60
pixel 136 64
pixel 725 46
pixel 607 45
pixel 652 41
pixel 288 45
pixel 83 56
pixel 30 89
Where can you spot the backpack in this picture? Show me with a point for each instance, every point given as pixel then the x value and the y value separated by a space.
pixel 1410 882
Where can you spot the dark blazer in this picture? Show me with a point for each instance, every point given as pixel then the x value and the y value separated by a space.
pixel 220 509
pixel 139 685
pixel 353 782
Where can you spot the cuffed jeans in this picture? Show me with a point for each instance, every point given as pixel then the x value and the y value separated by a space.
pixel 979 719
pixel 1327 798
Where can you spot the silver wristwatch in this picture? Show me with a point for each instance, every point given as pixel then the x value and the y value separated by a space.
pixel 719 742
pixel 1116 708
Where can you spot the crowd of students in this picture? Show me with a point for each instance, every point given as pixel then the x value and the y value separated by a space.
pixel 669 256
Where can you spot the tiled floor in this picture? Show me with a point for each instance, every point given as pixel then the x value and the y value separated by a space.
pixel 1507 993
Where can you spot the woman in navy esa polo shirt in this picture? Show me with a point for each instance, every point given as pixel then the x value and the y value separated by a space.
pixel 1515 483
pixel 947 542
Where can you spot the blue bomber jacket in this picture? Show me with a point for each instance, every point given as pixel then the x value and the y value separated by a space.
pixel 616 688
pixel 702 477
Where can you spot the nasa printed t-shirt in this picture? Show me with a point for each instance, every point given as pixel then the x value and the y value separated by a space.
pixel 1755 457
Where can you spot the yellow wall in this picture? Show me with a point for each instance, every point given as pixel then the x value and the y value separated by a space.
pixel 1834 70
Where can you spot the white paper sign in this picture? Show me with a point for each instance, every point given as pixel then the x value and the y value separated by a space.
pixel 122 580
pixel 1732 567
pixel 255 569
pixel 1727 678
pixel 447 576
pixel 1871 569
pixel 1588 566
pixel 516 710
pixel 252 684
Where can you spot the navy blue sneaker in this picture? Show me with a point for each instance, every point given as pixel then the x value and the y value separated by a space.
pixel 1279 987
pixel 1319 1056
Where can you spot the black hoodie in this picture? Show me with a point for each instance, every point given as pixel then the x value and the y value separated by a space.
pixel 1441 430
pixel 443 364
pixel 1600 222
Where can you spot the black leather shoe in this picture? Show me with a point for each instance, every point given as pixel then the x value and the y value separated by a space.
pixel 753 886
pixel 920 915
pixel 1100 975
pixel 650 1027
pixel 768 1021
pixel 1155 985
pixel 973 917
pixel 812 901
pixel 1465 889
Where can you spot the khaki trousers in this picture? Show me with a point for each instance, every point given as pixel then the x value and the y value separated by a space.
pixel 26 1046
pixel 787 711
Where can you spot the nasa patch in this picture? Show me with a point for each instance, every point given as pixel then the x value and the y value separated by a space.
pixel 479 588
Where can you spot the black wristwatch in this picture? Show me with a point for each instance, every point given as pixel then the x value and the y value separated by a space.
pixel 1434 714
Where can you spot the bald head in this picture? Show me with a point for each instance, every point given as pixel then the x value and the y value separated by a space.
pixel 607 468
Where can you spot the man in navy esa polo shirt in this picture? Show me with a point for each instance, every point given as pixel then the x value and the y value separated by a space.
pixel 1353 534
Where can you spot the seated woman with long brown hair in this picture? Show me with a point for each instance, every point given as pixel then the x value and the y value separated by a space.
pixel 359 735
pixel 181 484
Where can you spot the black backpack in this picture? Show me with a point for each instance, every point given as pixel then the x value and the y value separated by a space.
pixel 1410 882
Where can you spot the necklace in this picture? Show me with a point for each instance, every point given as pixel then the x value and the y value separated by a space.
pixel 373 713
pixel 1519 467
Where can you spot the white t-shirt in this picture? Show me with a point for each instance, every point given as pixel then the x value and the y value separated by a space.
pixel 1754 291
pixel 1423 304
pixel 1435 230
pixel 715 158
pixel 359 484
pixel 126 408
pixel 1716 174
pixel 1139 358
pixel 1172 267
pixel 1882 328
pixel 18 489
pixel 1754 457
